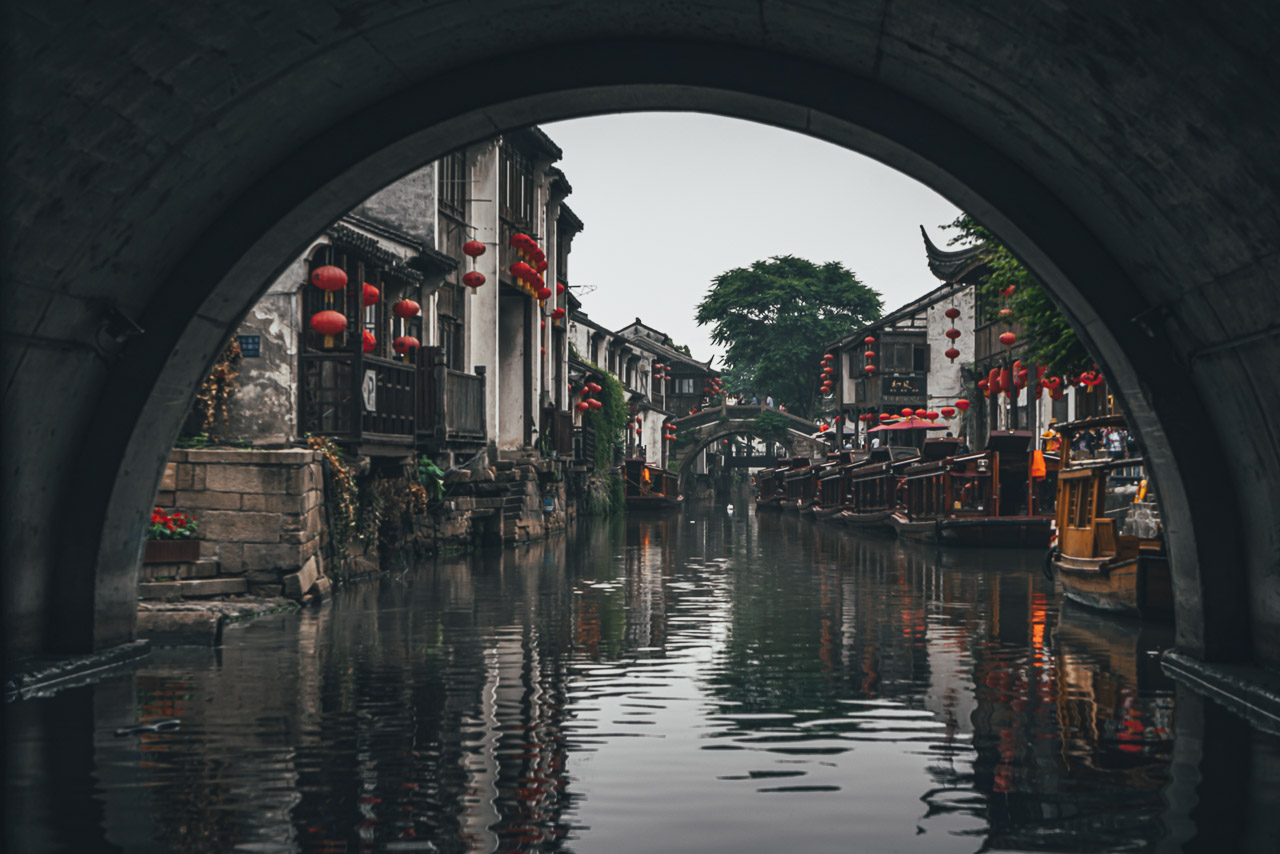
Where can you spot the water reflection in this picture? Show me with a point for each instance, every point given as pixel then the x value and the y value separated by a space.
pixel 699 682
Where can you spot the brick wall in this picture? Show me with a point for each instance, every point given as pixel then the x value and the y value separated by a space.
pixel 259 512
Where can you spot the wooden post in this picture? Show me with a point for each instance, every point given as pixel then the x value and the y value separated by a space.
pixel 439 379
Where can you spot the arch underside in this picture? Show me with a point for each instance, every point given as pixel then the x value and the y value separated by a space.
pixel 166 170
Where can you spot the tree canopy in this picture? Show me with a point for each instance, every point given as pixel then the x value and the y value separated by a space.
pixel 775 317
pixel 1049 337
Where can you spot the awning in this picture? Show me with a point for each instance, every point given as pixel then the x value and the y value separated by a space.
pixel 911 423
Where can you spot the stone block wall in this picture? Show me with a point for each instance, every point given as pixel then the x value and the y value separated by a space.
pixel 260 513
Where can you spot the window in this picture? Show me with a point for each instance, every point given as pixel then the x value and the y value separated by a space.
pixel 684 385
pixel 920 358
pixel 453 184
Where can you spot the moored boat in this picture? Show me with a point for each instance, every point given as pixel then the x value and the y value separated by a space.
pixel 647 487
pixel 1109 557
pixel 999 497
pixel 873 495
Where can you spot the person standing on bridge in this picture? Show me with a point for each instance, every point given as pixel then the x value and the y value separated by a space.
pixel 768 401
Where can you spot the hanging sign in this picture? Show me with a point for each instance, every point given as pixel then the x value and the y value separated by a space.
pixel 369 391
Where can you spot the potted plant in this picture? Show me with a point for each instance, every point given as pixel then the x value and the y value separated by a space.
pixel 170 538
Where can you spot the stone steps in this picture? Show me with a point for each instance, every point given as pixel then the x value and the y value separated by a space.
pixel 203 568
pixel 194 588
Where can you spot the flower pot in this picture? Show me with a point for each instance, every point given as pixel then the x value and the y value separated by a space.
pixel 171 551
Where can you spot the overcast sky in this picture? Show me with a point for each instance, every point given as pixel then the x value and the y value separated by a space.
pixel 671 200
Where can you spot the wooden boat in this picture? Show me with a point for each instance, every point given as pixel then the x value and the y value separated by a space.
pixel 989 498
pixel 873 492
pixel 833 484
pixel 647 487
pixel 769 488
pixel 801 484
pixel 1110 559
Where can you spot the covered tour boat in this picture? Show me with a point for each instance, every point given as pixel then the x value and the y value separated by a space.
pixel 801 480
pixel 833 483
pixel 648 487
pixel 770 488
pixel 1109 552
pixel 1001 497
pixel 873 487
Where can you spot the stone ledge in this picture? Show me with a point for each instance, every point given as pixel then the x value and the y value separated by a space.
pixel 181 628
pixel 1248 690
pixel 44 676
pixel 200 587
pixel 289 457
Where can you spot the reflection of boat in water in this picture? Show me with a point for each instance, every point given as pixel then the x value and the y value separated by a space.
pixel 648 487
pixel 1115 704
pixel 1111 558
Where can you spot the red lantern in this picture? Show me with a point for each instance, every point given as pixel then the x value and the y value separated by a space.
pixel 870 354
pixel 557 313
pixel 948 412
pixel 368 341
pixel 594 388
pixel 594 404
pixel 931 415
pixel 885 417
pixel 922 413
pixel 559 288
pixel 544 292
pixel 542 265
pixel 907 412
pixel 827 357
pixel 519 240
pixel 522 271
pixel 953 334
pixel 1008 339
pixel 822 428
pixel 329 324
pixel 828 371
pixel 581 406
pixel 473 249
pixel 962 404
pixel 370 295
pixel 1008 292
pixel 952 313
pixel 404 344
pixel 1006 314
pixel 870 369
pixel 1006 381
pixel 406 308
pixel 473 280
pixel 869 340
pixel 952 353
pixel 329 278
pixel 639 430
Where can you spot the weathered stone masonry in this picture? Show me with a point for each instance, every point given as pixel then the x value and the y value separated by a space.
pixel 260 515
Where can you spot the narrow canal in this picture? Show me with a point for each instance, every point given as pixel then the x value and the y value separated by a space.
pixel 703 681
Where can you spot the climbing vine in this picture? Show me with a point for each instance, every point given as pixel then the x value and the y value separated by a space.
pixel 609 420
pixel 344 502
pixel 214 398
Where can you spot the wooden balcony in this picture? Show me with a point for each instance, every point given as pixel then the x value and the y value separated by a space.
pixel 451 404
pixel 357 398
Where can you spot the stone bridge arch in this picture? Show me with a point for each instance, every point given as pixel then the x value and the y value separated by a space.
pixel 162 171
pixel 797 440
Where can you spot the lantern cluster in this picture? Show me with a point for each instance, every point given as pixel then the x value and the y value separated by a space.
pixel 711 387
pixel 529 269
pixel 1008 339
pixel 473 278
pixel 661 371
pixel 1088 379
pixel 329 323
pixel 868 356
pixel 588 402
pixel 669 431
pixel 827 377
pixel 952 334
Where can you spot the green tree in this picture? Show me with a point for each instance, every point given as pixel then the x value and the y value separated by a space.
pixel 1049 337
pixel 775 317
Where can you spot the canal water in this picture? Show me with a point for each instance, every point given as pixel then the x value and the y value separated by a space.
pixel 704 681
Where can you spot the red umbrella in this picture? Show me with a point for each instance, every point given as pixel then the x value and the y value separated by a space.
pixel 912 423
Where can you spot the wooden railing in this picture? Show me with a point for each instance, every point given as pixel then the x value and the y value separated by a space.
pixel 451 403
pixel 352 395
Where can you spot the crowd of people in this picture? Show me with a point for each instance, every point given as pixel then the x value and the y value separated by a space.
pixel 1097 442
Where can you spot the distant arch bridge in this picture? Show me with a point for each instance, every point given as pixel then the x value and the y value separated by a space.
pixel 708 426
